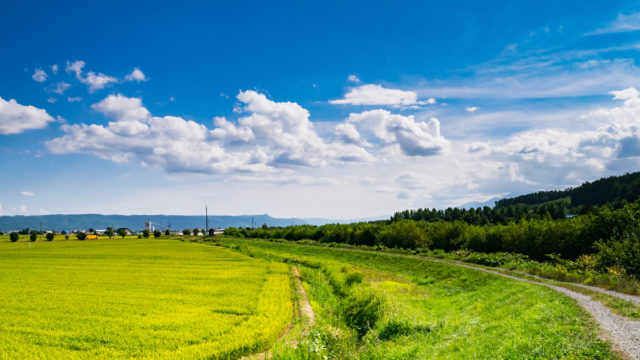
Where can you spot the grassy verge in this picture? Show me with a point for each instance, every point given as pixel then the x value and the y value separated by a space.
pixel 517 265
pixel 619 306
pixel 579 271
pixel 379 306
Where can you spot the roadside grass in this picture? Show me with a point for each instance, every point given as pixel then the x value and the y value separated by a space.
pixel 517 265
pixel 618 306
pixel 143 298
pixel 580 271
pixel 381 306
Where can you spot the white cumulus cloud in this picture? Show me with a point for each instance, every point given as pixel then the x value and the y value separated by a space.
pixel 58 88
pixel 136 75
pixel 415 138
pixel 372 94
pixel 16 118
pixel 268 136
pixel 75 67
pixel 95 81
pixel 562 155
pixel 39 75
pixel 27 193
pixel 348 133
pixel 122 108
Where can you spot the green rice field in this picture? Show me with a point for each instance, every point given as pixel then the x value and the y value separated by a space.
pixel 138 298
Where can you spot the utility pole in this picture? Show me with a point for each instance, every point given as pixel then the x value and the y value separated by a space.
pixel 206 222
pixel 40 230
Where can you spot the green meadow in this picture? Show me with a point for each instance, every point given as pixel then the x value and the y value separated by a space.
pixel 383 306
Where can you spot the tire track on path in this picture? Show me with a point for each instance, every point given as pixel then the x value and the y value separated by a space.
pixel 304 310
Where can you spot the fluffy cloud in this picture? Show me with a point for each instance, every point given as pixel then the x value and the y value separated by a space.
pixel 227 131
pixel 607 142
pixel 565 156
pixel 92 80
pixel 75 67
pixel 58 88
pixel 372 94
pixel 271 135
pixel 39 75
pixel 136 75
pixel 123 109
pixel 285 130
pixel 471 109
pixel 415 138
pixel 625 94
pixel 27 193
pixel 348 133
pixel 16 118
pixel 353 78
pixel 97 81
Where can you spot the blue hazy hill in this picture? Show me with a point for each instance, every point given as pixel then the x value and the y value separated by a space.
pixel 137 222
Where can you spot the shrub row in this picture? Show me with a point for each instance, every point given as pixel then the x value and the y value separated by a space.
pixel 612 235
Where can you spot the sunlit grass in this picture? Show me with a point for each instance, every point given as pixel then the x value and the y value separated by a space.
pixel 431 310
pixel 142 298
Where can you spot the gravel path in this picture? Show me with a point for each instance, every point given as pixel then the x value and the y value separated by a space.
pixel 624 333
pixel 631 298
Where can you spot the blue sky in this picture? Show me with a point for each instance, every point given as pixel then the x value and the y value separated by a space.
pixel 328 109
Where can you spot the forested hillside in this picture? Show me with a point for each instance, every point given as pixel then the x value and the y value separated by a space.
pixel 614 192
pixel 610 190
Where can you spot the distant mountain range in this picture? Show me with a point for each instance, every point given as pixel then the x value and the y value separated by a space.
pixel 478 204
pixel 137 222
